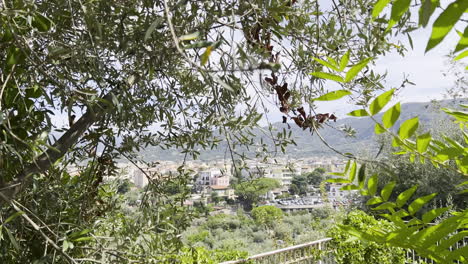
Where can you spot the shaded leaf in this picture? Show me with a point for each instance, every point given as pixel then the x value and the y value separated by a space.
pixel 425 11
pixel 385 206
pixel 156 24
pixel 362 175
pixel 41 23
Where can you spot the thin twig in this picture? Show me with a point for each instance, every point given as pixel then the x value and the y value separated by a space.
pixel 37 228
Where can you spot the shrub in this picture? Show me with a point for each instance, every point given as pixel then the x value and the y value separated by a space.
pixel 267 215
pixel 198 237
pixel 347 251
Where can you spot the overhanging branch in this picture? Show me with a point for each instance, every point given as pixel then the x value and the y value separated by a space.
pixel 59 148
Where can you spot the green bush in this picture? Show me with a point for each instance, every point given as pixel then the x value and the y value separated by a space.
pixel 198 237
pixel 352 251
pixel 267 215
pixel 201 255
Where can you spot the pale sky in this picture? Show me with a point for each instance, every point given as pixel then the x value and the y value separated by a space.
pixel 425 70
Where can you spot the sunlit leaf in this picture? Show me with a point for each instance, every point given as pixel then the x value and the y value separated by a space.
pixel 449 153
pixel 349 187
pixel 378 103
pixel 461 56
pixel 405 196
pixel 445 22
pixel 362 175
pixel 390 117
pixel 387 190
pixel 360 112
pixel 433 214
pixel 344 61
pixel 422 142
pixel 416 205
pixel 328 76
pixel 408 128
pixel 399 7
pixel 326 64
pixel 463 164
pixel 372 184
pixel 206 55
pixel 191 36
pixel 352 172
pixel 335 95
pixel 353 72
pixel 374 200
pixel 338 180
pixel 463 43
pixel 459 115
pixel 379 129
pixel 378 7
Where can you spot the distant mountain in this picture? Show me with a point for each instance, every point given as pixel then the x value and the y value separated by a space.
pixel 308 145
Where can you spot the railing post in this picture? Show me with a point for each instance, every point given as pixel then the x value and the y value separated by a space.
pixel 320 249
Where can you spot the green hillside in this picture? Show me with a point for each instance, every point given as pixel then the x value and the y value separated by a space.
pixel 307 145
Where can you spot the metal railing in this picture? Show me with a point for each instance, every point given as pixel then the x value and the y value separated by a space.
pixel 412 256
pixel 318 252
pixel 309 253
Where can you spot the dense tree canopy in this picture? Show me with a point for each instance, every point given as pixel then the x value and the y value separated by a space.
pixel 84 83
pixel 253 191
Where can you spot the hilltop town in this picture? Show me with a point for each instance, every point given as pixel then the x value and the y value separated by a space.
pixel 213 182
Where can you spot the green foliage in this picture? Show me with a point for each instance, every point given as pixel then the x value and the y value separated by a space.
pixel 316 176
pixel 117 69
pixel 242 232
pixel 349 251
pixel 201 255
pixel 335 95
pixel 251 192
pixel 268 215
pixel 298 185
